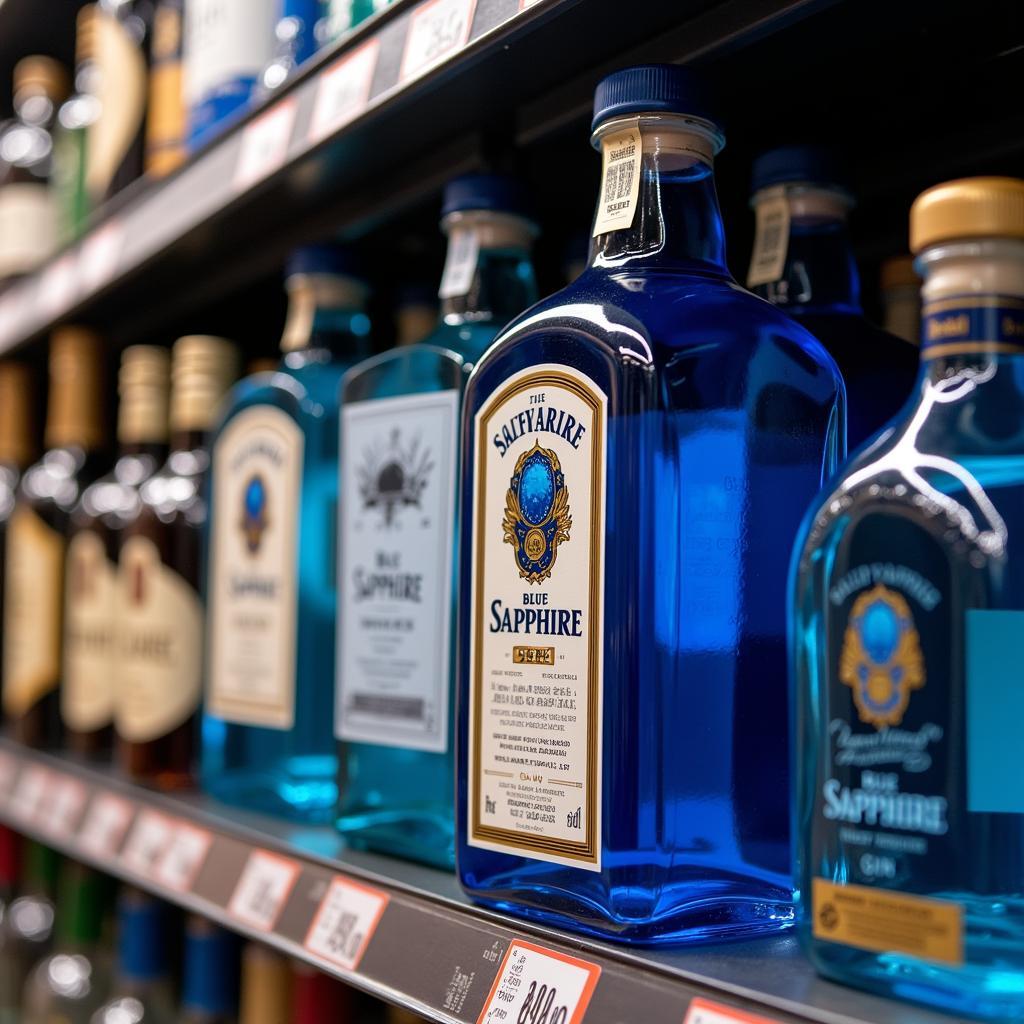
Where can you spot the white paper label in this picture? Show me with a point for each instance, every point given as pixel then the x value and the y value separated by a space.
pixel 536 632
pixel 438 29
pixel 147 842
pixel 460 264
pixel 28 227
pixel 264 144
pixel 257 483
pixel 344 91
pixel 105 824
pixel 263 889
pixel 183 857
pixel 345 923
pixel 64 807
pixel 703 1011
pixel 620 180
pixel 771 238
pixel 30 793
pixel 536 984
pixel 398 471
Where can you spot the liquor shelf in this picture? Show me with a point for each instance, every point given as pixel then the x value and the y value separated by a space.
pixel 401 932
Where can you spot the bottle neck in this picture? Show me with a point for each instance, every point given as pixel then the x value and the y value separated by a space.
pixel 819 274
pixel 326 317
pixel 673 222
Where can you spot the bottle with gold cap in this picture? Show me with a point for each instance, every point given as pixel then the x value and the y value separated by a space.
pixel 28 222
pixel 166 117
pixel 265 995
pixel 92 612
pixel 900 286
pixel 907 620
pixel 160 659
pixel 36 535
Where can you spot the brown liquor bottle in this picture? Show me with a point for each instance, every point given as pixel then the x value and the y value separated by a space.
pixel 35 543
pixel 91 612
pixel 160 658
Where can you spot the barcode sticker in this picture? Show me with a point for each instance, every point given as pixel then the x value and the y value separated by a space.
pixel 147 843
pixel 438 29
pixel 771 238
pixel 58 285
pixel 535 983
pixel 99 255
pixel 344 91
pixel 264 144
pixel 460 264
pixel 263 889
pixel 702 1011
pixel 105 824
pixel 345 922
pixel 30 793
pixel 183 857
pixel 63 809
pixel 620 180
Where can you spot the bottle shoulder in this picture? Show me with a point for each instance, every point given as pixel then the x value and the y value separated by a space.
pixel 426 366
pixel 304 393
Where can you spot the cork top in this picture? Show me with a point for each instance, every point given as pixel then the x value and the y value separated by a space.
pixel 74 415
pixel 16 446
pixel 43 73
pixel 143 385
pixel 204 367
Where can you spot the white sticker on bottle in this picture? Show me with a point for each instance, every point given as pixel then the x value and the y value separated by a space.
pixel 771 237
pixel 264 144
pixel 345 922
pixel 703 1011
pixel 8 770
pixel 438 29
pixel 622 155
pixel 263 889
pixel 460 264
pixel 147 842
pixel 30 794
pixel 105 824
pixel 343 91
pixel 535 984
pixel 183 857
pixel 63 809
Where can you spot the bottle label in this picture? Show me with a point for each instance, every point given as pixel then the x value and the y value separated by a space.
pixel 257 483
pixel 771 237
pixel 28 227
pixel 90 614
pixel 160 626
pixel 536 630
pixel 398 467
pixel 622 154
pixel 965 324
pixel 460 264
pixel 32 610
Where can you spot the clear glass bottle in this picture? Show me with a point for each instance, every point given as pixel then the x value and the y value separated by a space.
pixel 268 741
pixel 160 664
pixel 907 614
pixel 639 450
pixel 900 287
pixel 803 263
pixel 210 987
pixel 396 602
pixel 92 611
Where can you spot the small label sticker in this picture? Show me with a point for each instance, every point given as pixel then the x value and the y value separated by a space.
pixel 620 180
pixel 263 889
pixel 58 285
pixel 147 843
pixel 184 857
pixel 99 255
pixel 345 922
pixel 63 809
pixel 535 984
pixel 344 91
pixel 30 793
pixel 8 769
pixel 264 144
pixel 703 1011
pixel 438 29
pixel 105 824
pixel 460 264
pixel 771 238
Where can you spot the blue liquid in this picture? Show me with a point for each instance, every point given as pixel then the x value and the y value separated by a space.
pixel 723 418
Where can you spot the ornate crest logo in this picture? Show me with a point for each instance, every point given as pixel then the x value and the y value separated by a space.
pixel 394 476
pixel 254 512
pixel 881 659
pixel 537 516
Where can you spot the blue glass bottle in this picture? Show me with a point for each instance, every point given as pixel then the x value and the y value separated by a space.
pixel 294 41
pixel 638 451
pixel 399 459
pixel 801 199
pixel 210 985
pixel 267 740
pixel 907 618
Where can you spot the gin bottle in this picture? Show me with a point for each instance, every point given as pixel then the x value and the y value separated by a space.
pixel 907 620
pixel 639 450
pixel 399 459
pixel 268 741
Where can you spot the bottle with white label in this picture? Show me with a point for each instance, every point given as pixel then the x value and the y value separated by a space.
pixel 36 535
pixel 398 524
pixel 639 450
pixel 267 735
pixel 92 612
pixel 907 626
pixel 160 624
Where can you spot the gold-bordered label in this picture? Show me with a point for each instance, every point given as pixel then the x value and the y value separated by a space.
pixel 969 325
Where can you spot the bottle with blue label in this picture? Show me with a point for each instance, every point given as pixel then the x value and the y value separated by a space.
pixel 267 736
pixel 639 450
pixel 398 524
pixel 907 619
pixel 803 263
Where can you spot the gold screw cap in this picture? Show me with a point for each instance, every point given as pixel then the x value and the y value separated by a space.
pixel 968 208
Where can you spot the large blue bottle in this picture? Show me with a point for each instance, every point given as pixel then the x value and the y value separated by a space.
pixel 907 627
pixel 267 739
pixel 638 452
pixel 397 596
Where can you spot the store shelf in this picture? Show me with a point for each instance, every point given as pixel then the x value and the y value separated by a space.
pixel 423 946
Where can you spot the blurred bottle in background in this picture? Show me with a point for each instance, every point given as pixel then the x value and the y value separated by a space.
pixel 318 997
pixel 901 298
pixel 210 985
pixel 266 990
pixel 166 119
pixel 294 41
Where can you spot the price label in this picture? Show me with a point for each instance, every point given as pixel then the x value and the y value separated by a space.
pixel 345 922
pixel 184 857
pixel 263 889
pixel 438 29
pixel 8 769
pixel 538 986
pixel 264 144
pixel 703 1011
pixel 30 793
pixel 147 843
pixel 344 91
pixel 105 824
pixel 63 810
pixel 58 285
pixel 100 253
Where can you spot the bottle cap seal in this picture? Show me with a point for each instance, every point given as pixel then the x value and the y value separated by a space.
pixel 495 192
pixel 967 208
pixel 803 165
pixel 335 260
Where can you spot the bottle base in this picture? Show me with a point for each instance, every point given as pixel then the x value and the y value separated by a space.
pixel 425 836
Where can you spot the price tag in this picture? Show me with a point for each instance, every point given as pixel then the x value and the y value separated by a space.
pixel 438 29
pixel 703 1011
pixel 460 264
pixel 63 810
pixel 183 858
pixel 263 889
pixel 345 922
pixel 147 843
pixel 29 793
pixel 344 91
pixel 8 769
pixel 97 261
pixel 771 237
pixel 535 984
pixel 58 285
pixel 105 824
pixel 264 144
